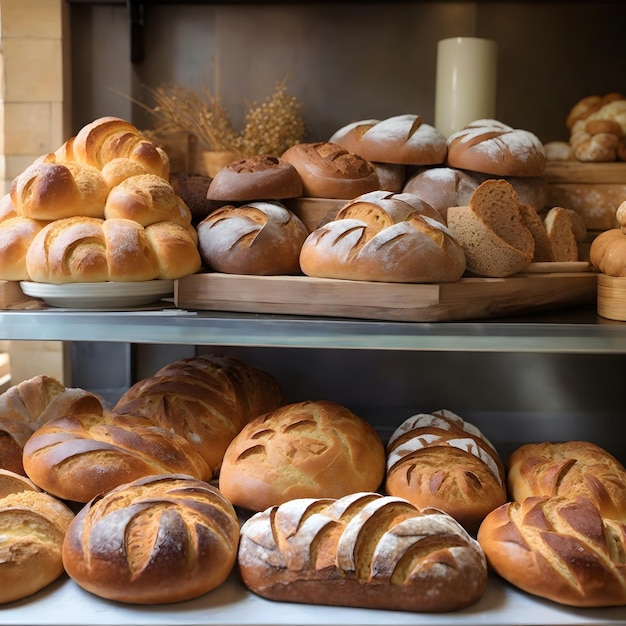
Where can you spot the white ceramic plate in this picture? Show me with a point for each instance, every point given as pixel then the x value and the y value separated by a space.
pixel 110 295
pixel 558 267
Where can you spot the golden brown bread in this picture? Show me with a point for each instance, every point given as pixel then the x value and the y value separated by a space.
pixel 608 252
pixel 384 237
pixel 404 139
pixel 32 528
pixel 85 249
pixel 159 539
pixel 16 235
pixel 30 403
pixel 439 460
pixel 260 177
pixel 491 147
pixel 362 550
pixel 77 457
pixel 543 248
pixel 558 548
pixel 262 238
pixel 329 171
pixel 492 232
pixel 311 449
pixel 559 224
pixel 570 468
pixel 207 399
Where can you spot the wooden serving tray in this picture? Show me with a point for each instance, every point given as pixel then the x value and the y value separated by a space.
pixel 468 298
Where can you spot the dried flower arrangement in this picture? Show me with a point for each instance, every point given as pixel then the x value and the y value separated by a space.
pixel 270 127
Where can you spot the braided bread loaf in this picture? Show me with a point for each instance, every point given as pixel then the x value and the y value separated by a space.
pixel 559 548
pixel 155 540
pixel 362 550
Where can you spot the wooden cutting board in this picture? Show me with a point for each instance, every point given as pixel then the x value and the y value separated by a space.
pixel 468 298
pixel 580 172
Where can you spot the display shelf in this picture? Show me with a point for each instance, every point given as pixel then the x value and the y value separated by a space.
pixel 575 331
pixel 64 603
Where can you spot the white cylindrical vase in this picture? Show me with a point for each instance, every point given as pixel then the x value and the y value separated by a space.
pixel 466 82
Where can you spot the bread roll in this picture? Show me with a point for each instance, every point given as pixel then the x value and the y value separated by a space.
pixel 314 449
pixel 193 189
pixel 404 139
pixel 608 252
pixel 77 457
pixel 362 550
pixel 16 235
pixel 260 177
pixel 262 238
pixel 492 232
pixel 32 527
pixel 156 540
pixel 119 169
pixel 439 460
pixel 206 399
pixel 558 548
pixel 558 151
pixel 30 403
pixel 329 171
pixel 176 249
pixel 570 469
pixel 384 237
pixel 391 176
pixel 52 191
pixel 491 147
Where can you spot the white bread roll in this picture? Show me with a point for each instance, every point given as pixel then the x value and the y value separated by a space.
pixel 384 237
pixel 362 550
pixel 156 540
pixel 261 238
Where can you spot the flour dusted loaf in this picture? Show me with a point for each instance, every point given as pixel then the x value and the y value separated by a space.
pixel 569 469
pixel 559 548
pixel 259 238
pixel 156 540
pixel 402 139
pixel 491 147
pixel 362 550
pixel 309 449
pixel 439 460
pixel 206 399
pixel 384 237
pixel 32 529
pixel 77 457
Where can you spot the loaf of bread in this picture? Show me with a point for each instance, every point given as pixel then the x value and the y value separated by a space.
pixel 206 399
pixel 16 235
pixel 329 171
pixel 32 527
pixel 361 550
pixel 570 469
pixel 310 449
pixel 439 460
pixel 608 252
pixel 491 147
pixel 85 249
pixel 27 405
pixel 531 190
pixel 491 231
pixel 404 139
pixel 261 238
pixel 52 191
pixel 193 188
pixel 260 177
pixel 156 540
pixel 558 548
pixel 77 457
pixel 387 238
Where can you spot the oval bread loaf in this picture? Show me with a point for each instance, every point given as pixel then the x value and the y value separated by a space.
pixel 156 540
pixel 558 548
pixel 302 450
pixel 362 550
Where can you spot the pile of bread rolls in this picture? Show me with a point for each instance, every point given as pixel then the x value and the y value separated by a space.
pixel 100 208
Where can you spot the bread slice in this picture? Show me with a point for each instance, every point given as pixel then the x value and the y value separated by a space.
pixel 534 223
pixel 561 234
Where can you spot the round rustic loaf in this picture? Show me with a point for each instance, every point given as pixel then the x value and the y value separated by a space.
pixel 311 449
pixel 260 238
pixel 439 460
pixel 77 457
pixel 387 238
pixel 404 139
pixel 492 147
pixel 32 526
pixel 329 171
pixel 361 550
pixel 558 548
pixel 156 540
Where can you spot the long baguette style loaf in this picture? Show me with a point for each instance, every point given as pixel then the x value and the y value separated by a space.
pixel 362 550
